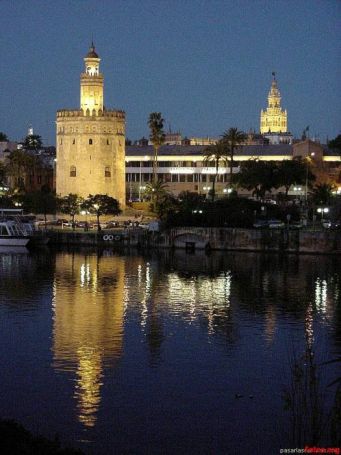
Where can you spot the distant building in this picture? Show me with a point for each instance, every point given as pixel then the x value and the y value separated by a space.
pixel 173 138
pixel 183 168
pixel 91 141
pixel 203 141
pixel 273 119
pixel 6 147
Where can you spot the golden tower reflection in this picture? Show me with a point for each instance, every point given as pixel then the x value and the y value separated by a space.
pixel 87 324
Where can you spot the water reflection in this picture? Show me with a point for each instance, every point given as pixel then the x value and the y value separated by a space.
pixel 87 323
pixel 197 329
pixel 25 278
pixel 176 286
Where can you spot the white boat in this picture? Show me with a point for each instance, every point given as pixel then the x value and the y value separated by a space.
pixel 11 233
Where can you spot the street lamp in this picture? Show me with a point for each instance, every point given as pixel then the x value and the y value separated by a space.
pixel 322 211
pixel 141 190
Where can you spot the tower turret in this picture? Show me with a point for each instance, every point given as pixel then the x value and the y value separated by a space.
pixel 91 84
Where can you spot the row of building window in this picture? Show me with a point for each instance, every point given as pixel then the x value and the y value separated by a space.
pixel 133 177
pixel 73 171
pixel 87 129
pixel 175 164
pixel 74 141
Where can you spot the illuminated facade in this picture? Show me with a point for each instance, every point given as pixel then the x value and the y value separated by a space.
pixel 183 168
pixel 91 141
pixel 273 120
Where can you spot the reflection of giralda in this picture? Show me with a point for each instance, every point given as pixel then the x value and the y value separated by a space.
pixel 88 323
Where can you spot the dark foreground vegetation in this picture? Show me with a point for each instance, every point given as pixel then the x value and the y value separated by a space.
pixel 16 440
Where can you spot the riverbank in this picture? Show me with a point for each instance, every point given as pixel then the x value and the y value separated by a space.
pixel 15 439
pixel 194 238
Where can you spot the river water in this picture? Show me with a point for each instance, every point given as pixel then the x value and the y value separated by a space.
pixel 170 352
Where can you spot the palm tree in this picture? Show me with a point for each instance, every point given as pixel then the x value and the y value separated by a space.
pixel 216 153
pixel 233 138
pixel 33 142
pixel 155 190
pixel 157 136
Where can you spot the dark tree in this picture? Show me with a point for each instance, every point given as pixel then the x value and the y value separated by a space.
pixel 157 136
pixel 166 205
pixel 155 191
pixel 70 205
pixel 216 154
pixel 2 173
pixel 233 139
pixel 43 202
pixel 292 172
pixel 101 204
pixel 335 144
pixel 190 201
pixel 32 142
pixel 322 193
pixel 3 137
pixel 259 176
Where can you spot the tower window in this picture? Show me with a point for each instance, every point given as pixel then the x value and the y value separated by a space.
pixel 107 141
pixel 107 171
pixel 73 171
pixel 74 141
pixel 90 141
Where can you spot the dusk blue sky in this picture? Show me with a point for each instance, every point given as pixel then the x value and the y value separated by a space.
pixel 206 65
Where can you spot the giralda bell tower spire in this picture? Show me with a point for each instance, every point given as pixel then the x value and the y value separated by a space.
pixel 273 120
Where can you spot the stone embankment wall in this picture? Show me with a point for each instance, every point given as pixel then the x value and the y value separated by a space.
pixel 280 240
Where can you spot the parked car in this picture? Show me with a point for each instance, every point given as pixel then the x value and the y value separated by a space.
pixel 61 221
pixel 84 224
pixel 295 225
pixel 260 224
pixel 276 224
pixel 112 224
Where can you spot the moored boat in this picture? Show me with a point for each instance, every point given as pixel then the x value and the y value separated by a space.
pixel 12 234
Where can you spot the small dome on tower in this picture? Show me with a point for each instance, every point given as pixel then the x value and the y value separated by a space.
pixel 92 53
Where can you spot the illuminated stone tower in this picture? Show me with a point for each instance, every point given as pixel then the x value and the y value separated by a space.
pixel 273 120
pixel 91 141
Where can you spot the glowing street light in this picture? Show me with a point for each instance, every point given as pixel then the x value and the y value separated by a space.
pixel 322 211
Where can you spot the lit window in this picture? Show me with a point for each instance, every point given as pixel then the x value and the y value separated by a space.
pixel 73 171
pixel 107 172
pixel 90 141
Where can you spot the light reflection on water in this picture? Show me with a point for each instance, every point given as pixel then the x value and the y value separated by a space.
pixel 123 326
pixel 87 323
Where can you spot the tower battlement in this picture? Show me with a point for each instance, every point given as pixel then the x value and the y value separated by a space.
pixel 100 113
